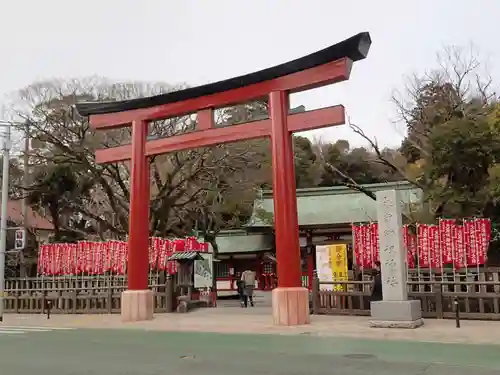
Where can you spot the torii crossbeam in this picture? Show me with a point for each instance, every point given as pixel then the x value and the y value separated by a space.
pixel 330 65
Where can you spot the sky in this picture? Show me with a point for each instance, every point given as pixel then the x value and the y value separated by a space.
pixel 202 41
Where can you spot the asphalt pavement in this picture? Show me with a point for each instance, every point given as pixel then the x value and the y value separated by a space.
pixel 44 351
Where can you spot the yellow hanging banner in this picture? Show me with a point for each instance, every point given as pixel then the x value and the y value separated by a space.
pixel 338 261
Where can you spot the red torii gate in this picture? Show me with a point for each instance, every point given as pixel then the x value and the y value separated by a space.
pixel 330 65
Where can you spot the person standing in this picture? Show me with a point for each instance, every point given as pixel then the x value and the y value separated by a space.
pixel 248 281
pixel 241 293
pixel 377 284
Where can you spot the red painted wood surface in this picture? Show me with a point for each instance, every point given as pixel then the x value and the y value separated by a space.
pixel 330 116
pixel 205 119
pixel 322 75
pixel 138 255
pixel 285 201
pixel 279 127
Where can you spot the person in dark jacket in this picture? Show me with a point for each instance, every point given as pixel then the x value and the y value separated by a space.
pixel 377 284
pixel 241 293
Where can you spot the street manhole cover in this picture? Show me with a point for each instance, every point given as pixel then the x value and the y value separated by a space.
pixel 187 357
pixel 359 356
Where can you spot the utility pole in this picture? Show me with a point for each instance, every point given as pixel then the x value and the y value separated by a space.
pixel 6 145
pixel 26 176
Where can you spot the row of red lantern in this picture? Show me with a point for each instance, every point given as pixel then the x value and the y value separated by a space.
pixel 433 246
pixel 97 258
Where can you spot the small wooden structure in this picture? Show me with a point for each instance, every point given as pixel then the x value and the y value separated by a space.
pixel 184 278
pixel 184 282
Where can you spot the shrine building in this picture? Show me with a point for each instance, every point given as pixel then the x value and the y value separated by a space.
pixel 325 217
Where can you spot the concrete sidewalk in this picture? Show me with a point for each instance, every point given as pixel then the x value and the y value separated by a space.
pixel 259 321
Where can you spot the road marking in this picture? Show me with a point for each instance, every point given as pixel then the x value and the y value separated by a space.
pixel 19 330
pixel 38 327
pixel 5 332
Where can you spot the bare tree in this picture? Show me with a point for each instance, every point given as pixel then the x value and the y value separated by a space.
pixel 181 182
pixel 458 88
pixel 434 97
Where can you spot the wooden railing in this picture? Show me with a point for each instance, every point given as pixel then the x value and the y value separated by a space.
pixel 478 296
pixel 478 299
pixel 82 295
pixel 350 298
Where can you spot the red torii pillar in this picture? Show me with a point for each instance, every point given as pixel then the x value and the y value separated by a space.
pixel 331 65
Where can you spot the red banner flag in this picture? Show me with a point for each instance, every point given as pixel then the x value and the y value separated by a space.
pixel 423 245
pixel 174 246
pixel 458 247
pixel 366 246
pixel 123 257
pixel 434 248
pixel 58 261
pixel 356 237
pixel 72 258
pixel 100 258
pixel 88 257
pixel 406 234
pixel 162 255
pixel 483 235
pixel 470 242
pixel 112 254
pixel 406 245
pixel 39 265
pixel 369 246
pixel 362 246
pixel 179 245
pixel 204 247
pixel 446 233
pixel 192 244
pixel 107 257
pixel 412 244
pixel 68 259
pixel 47 260
pixel 79 254
pixel 42 260
pixel 154 249
pixel 375 242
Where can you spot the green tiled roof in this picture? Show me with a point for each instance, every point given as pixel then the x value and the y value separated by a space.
pixel 238 241
pixel 185 255
pixel 333 205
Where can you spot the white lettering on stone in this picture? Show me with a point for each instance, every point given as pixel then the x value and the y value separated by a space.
pixel 392 256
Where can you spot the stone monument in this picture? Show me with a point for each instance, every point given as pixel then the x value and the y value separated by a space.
pixel 395 310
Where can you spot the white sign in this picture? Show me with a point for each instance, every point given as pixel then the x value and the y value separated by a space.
pixel 20 239
pixel 324 266
pixel 203 271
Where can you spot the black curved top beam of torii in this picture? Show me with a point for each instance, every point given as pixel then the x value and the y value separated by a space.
pixel 330 65
pixel 354 48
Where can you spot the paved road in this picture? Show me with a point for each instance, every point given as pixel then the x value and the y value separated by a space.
pixel 142 352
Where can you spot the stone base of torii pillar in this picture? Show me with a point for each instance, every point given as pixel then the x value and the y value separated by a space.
pixel 395 310
pixel 137 305
pixel 291 306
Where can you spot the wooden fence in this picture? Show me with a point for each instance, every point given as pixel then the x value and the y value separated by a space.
pixel 478 296
pixel 79 295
